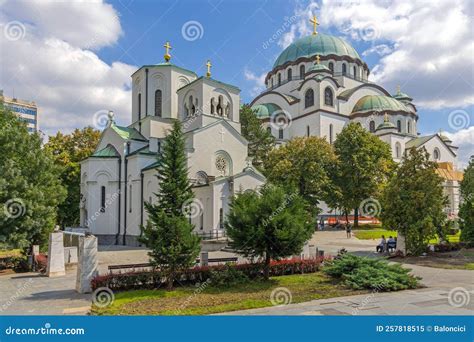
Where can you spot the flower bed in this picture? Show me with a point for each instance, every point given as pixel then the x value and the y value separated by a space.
pixel 199 274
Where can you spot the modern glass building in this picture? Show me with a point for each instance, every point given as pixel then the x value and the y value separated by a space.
pixel 26 110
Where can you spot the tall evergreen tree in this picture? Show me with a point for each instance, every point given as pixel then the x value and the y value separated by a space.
pixel 466 210
pixel 271 225
pixel 364 164
pixel 261 142
pixel 30 186
pixel 68 151
pixel 168 232
pixel 413 201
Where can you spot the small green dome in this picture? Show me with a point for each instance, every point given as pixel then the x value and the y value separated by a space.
pixel 386 125
pixel 319 68
pixel 265 110
pixel 402 96
pixel 320 44
pixel 379 103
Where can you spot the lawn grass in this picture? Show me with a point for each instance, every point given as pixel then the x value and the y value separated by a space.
pixel 374 234
pixel 8 253
pixel 254 294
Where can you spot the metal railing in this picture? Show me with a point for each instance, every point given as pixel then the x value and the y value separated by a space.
pixel 212 235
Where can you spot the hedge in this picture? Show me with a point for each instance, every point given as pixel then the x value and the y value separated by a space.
pixel 153 279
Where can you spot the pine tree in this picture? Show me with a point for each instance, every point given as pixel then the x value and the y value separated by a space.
pixel 261 142
pixel 270 225
pixel 466 210
pixel 168 233
pixel 413 201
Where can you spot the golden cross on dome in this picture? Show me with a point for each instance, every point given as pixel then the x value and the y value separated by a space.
pixel 208 64
pixel 315 23
pixel 168 47
pixel 398 89
pixel 318 59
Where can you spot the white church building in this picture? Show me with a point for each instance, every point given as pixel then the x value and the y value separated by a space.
pixel 319 83
pixel 121 174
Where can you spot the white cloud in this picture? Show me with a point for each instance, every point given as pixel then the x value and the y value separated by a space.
pixel 52 64
pixel 381 50
pixel 302 26
pixel 464 139
pixel 259 81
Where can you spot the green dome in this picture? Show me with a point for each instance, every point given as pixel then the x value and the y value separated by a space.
pixel 386 125
pixel 319 67
pixel 379 103
pixel 265 110
pixel 402 96
pixel 321 44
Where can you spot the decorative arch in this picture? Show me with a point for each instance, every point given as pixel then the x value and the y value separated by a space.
pixel 328 97
pixel 398 150
pixel 201 177
pixel 223 163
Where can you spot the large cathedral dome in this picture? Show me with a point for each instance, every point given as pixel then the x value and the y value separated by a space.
pixel 319 44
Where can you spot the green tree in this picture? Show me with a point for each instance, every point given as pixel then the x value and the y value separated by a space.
pixel 466 210
pixel 168 233
pixel 364 164
pixel 260 141
pixel 30 188
pixel 413 201
pixel 68 150
pixel 303 164
pixel 269 225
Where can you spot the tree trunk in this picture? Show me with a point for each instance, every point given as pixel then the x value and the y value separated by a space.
pixel 170 280
pixel 356 217
pixel 266 269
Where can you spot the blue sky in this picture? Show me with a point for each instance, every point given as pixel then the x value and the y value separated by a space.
pixel 74 59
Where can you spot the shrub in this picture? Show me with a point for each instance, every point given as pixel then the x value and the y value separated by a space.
pixel 375 274
pixel 221 274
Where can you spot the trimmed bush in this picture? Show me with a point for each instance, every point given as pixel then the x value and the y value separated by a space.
pixel 375 274
pixel 220 273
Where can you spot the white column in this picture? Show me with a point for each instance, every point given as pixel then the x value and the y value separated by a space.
pixel 87 263
pixel 56 255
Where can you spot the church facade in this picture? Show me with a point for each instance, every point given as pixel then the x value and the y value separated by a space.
pixel 121 174
pixel 319 83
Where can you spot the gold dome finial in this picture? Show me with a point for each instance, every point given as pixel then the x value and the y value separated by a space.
pixel 208 64
pixel 318 59
pixel 398 89
pixel 385 117
pixel 168 47
pixel 315 23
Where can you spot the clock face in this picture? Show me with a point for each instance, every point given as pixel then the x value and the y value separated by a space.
pixel 221 164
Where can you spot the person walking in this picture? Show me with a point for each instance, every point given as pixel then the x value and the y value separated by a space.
pixel 348 230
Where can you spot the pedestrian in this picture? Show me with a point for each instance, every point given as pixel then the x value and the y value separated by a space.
pixel 348 230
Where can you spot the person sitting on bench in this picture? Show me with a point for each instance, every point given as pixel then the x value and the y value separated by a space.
pixel 381 246
pixel 391 244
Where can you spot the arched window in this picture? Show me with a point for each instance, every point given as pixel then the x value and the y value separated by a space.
pixel 309 98
pixel 398 150
pixel 158 103
pixel 331 137
pixel 399 126
pixel 372 126
pixel 408 127
pixel 344 68
pixel 221 218
pixel 102 199
pixel 201 221
pixel 302 71
pixel 328 97
pixel 139 106
pixel 220 109
pixel 331 66
pixel 272 82
pixel 280 133
pixel 279 78
pixel 436 154
pixel 130 199
pixel 290 74
pixel 212 106
pixel 307 131
pixel 355 71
